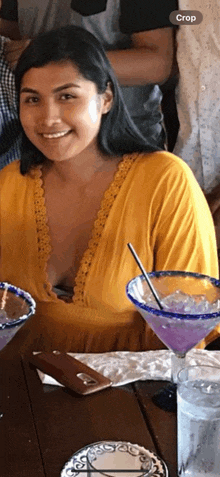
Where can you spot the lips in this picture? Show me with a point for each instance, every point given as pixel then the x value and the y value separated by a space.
pixel 56 135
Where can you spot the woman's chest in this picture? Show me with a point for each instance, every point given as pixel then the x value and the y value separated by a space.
pixel 70 224
pixel 71 213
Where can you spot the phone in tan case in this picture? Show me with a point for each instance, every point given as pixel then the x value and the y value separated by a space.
pixel 70 372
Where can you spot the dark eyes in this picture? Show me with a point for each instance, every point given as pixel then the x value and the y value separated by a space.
pixel 67 96
pixel 31 99
pixel 36 99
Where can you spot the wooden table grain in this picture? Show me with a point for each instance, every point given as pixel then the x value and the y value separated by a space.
pixel 44 425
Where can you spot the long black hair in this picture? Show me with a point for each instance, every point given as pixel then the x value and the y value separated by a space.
pixel 118 134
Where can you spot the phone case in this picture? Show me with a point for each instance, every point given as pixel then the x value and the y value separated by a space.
pixel 70 372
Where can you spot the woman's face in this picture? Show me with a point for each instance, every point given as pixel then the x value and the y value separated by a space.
pixel 61 111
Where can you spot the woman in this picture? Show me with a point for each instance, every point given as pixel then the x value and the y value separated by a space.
pixel 60 238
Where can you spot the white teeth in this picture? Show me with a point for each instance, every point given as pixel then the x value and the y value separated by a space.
pixel 55 135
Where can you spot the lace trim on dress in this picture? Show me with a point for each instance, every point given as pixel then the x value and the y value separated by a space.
pixel 44 246
pixel 106 205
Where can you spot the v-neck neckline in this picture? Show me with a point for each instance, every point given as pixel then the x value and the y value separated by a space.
pixel 43 236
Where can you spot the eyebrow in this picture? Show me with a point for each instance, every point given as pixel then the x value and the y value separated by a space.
pixel 56 90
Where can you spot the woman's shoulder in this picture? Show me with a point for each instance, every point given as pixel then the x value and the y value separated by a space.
pixel 11 174
pixel 12 168
pixel 160 171
pixel 160 163
pixel 162 159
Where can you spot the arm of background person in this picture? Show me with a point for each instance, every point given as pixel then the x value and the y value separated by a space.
pixel 13 50
pixel 149 60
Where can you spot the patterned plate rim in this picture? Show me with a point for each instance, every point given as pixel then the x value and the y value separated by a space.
pixel 83 450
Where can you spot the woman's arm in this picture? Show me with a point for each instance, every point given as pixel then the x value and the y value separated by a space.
pixel 183 234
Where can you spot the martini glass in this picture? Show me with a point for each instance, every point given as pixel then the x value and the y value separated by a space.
pixel 16 306
pixel 179 332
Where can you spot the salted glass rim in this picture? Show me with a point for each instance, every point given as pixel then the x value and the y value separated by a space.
pixel 170 314
pixel 26 297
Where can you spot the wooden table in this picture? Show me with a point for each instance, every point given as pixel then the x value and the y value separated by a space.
pixel 44 425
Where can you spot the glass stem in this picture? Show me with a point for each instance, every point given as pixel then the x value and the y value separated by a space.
pixel 177 363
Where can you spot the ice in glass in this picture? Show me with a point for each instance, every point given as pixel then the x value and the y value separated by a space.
pixel 198 404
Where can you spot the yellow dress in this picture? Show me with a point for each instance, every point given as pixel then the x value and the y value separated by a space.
pixel 155 203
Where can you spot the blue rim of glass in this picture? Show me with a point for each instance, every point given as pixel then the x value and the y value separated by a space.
pixel 26 297
pixel 170 314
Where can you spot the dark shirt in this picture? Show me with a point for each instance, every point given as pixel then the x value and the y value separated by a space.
pixel 136 16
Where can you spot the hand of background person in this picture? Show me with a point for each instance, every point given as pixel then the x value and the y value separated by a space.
pixel 213 199
pixel 13 51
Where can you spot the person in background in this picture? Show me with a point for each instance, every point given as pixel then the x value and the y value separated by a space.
pixel 10 133
pixel 87 184
pixel 9 123
pixel 137 35
pixel 198 100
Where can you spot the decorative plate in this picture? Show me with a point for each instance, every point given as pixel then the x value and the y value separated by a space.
pixel 137 456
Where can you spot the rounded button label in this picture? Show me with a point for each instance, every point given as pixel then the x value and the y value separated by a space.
pixel 186 17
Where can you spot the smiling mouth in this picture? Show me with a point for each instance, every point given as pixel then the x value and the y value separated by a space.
pixel 55 135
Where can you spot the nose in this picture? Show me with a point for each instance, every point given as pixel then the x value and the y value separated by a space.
pixel 50 113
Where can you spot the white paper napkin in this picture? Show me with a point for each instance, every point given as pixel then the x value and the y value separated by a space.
pixel 123 367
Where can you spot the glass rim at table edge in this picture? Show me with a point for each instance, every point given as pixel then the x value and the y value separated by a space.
pixel 27 298
pixel 193 366
pixel 170 314
pixel 87 446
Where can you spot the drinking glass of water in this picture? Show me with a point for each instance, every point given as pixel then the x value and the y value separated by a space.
pixel 198 421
